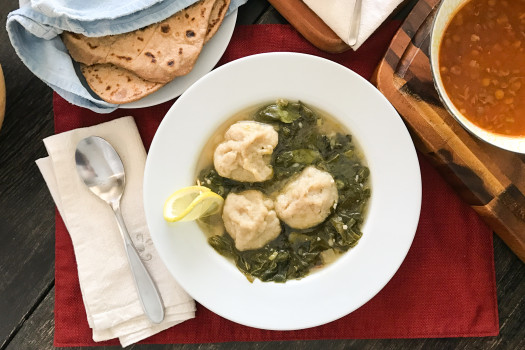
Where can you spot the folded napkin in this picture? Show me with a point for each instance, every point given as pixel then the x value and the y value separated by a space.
pixel 337 14
pixel 108 290
pixel 34 31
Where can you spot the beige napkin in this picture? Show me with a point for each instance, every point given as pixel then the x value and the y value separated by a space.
pixel 337 14
pixel 108 291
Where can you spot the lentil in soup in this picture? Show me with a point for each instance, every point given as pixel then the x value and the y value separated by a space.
pixel 482 64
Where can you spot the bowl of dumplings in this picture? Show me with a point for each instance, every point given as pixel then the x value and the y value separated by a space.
pixel 320 184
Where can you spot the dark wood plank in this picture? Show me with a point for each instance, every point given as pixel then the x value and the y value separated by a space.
pixel 37 331
pixel 271 15
pixel 250 12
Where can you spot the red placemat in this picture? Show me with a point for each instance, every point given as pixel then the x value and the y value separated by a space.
pixel 444 288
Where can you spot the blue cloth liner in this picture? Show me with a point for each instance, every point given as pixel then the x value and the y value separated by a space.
pixel 35 27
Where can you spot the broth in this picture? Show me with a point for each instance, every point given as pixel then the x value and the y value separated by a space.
pixel 482 64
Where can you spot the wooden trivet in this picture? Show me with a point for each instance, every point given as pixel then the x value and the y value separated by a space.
pixel 489 179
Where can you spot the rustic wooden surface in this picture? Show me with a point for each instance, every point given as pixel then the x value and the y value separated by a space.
pixel 27 230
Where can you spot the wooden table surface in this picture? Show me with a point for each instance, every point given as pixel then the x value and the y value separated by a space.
pixel 27 229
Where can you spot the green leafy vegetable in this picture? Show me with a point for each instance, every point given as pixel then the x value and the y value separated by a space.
pixel 283 111
pixel 301 156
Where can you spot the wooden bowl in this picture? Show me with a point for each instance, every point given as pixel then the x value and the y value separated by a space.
pixel 2 96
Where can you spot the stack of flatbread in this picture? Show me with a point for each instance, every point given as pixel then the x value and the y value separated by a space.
pixel 126 67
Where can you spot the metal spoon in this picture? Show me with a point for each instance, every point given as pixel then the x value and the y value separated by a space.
pixel 101 169
pixel 355 23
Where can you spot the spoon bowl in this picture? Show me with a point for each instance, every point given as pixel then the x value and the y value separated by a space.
pixel 109 179
pixel 101 169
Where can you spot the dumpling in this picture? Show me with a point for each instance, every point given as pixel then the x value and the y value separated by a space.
pixel 306 200
pixel 246 151
pixel 250 219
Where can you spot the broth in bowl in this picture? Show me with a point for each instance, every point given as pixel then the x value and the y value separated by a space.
pixel 482 64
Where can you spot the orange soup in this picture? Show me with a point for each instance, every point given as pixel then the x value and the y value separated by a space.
pixel 482 64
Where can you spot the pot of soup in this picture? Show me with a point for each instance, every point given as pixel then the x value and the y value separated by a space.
pixel 477 56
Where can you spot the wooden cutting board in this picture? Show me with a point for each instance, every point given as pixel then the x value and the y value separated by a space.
pixel 306 22
pixel 490 179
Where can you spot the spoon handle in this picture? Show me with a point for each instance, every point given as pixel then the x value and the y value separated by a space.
pixel 355 23
pixel 148 293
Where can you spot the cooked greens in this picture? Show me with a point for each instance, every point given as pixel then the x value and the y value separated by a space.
pixel 301 143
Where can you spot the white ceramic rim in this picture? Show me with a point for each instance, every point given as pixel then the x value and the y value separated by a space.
pixel 444 14
pixel 393 212
pixel 208 58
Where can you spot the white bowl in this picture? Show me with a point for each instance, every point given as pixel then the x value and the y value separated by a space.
pixel 445 12
pixel 393 211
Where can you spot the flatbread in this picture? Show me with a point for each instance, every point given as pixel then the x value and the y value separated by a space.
pixel 157 53
pixel 117 85
pixel 216 17
pixel 127 67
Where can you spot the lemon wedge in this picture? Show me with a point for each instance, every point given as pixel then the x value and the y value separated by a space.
pixel 191 203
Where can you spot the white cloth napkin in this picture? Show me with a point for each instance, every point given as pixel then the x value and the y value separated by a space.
pixel 337 14
pixel 112 305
